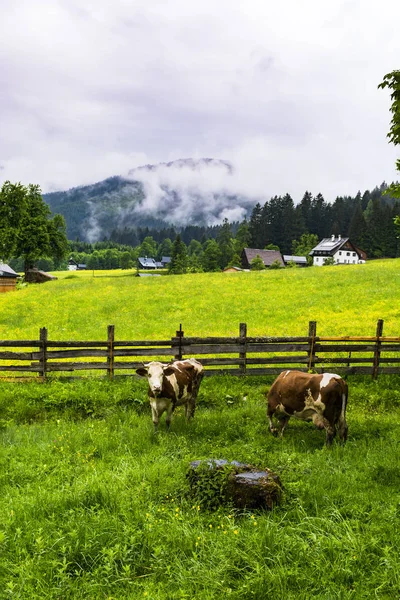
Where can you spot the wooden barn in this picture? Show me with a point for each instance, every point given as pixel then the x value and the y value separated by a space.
pixel 8 278
pixel 268 257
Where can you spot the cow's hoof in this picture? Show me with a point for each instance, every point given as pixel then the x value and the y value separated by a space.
pixel 274 432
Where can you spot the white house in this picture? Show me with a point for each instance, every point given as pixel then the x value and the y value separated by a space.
pixel 341 250
pixel 74 266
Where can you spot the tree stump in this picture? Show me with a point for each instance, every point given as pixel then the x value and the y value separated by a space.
pixel 217 481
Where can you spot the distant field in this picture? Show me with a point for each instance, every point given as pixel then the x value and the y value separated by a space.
pixel 344 300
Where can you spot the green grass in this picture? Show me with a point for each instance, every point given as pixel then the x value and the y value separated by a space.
pixel 343 300
pixel 93 505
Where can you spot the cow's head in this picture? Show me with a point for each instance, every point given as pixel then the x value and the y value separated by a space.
pixel 155 373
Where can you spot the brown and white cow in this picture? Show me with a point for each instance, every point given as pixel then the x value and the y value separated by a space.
pixel 172 385
pixel 318 398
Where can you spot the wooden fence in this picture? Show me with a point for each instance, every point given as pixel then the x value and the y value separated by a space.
pixel 241 355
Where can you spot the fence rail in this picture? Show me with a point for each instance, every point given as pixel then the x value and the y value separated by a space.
pixel 242 355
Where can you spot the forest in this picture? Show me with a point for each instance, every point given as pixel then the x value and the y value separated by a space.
pixel 368 219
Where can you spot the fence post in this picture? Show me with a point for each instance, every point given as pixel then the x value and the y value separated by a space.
pixel 43 353
pixel 312 333
pixel 377 351
pixel 110 351
pixel 179 335
pixel 243 342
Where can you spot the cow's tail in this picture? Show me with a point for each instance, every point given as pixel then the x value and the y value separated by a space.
pixel 342 425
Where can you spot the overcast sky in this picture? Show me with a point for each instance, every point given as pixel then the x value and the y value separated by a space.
pixel 285 90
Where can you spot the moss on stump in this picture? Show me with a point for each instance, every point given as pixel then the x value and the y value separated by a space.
pixel 217 481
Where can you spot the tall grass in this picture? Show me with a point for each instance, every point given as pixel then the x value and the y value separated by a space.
pixel 348 300
pixel 93 505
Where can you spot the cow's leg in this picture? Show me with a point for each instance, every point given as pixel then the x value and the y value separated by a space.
pixel 191 405
pixel 156 417
pixel 342 429
pixel 283 421
pixel 270 415
pixel 190 408
pixel 342 425
pixel 170 410
pixel 330 433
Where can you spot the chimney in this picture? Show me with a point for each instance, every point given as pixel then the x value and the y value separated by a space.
pixel 339 237
pixel 333 237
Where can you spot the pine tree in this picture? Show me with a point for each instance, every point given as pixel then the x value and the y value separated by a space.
pixel 225 243
pixel 357 231
pixel 256 227
pixel 242 238
pixel 179 257
pixel 211 256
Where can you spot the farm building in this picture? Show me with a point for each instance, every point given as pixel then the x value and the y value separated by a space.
pixel 146 263
pixel 268 257
pixel 341 250
pixel 8 278
pixel 74 266
pixel 299 261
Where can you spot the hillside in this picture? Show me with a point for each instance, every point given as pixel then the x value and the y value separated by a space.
pixel 182 192
pixel 344 300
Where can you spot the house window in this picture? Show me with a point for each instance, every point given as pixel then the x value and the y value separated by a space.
pixel 340 253
pixel 347 253
pixel 353 254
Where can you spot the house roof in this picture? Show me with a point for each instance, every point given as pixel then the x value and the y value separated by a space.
pixel 300 260
pixel 329 247
pixel 233 268
pixel 147 262
pixel 165 259
pixel 267 256
pixel 6 271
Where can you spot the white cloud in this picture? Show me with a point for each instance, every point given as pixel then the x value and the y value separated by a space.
pixel 287 91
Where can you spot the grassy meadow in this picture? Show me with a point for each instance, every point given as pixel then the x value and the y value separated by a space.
pixel 79 305
pixel 94 506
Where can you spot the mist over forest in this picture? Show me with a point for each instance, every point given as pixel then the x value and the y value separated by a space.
pixel 195 197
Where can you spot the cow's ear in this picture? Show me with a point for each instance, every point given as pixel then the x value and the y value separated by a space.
pixel 168 370
pixel 142 371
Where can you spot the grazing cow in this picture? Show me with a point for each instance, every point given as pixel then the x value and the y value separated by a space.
pixel 321 399
pixel 172 385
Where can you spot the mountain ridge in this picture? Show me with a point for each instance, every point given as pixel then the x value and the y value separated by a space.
pixel 181 192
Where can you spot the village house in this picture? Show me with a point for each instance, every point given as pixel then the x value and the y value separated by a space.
pixel 268 257
pixel 341 250
pixel 299 261
pixel 146 263
pixel 74 266
pixel 8 278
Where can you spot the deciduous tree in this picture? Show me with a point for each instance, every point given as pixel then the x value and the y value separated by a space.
pixel 27 228
pixel 392 81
